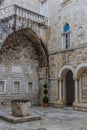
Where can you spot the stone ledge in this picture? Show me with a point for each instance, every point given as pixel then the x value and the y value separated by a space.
pixel 15 120
pixel 58 104
pixel 80 106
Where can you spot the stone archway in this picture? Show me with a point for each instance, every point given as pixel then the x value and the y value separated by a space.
pixel 33 38
pixel 23 57
pixel 81 74
pixel 70 89
pixel 66 73
pixel 81 87
pixel 81 67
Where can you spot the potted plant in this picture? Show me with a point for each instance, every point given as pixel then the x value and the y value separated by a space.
pixel 45 98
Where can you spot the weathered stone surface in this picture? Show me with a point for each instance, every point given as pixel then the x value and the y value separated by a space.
pixel 29 54
pixel 20 108
pixel 53 119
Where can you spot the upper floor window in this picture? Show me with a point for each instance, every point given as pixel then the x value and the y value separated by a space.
pixel 66 41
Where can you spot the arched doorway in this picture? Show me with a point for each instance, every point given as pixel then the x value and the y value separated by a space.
pixel 70 89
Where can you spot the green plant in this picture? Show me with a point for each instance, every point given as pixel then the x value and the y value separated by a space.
pixel 45 99
pixel 45 91
pixel 45 85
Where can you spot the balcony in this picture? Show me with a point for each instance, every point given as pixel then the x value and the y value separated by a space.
pixel 23 13
pixel 13 18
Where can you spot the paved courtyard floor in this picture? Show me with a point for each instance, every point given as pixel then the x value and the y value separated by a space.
pixel 52 119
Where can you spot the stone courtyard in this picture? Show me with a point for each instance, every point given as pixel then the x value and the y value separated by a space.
pixel 52 119
pixel 44 42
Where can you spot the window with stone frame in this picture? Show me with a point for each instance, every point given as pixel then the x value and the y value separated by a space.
pixel 30 86
pixel 66 36
pixel 2 87
pixel 16 86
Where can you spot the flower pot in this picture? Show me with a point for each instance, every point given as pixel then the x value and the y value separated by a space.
pixel 45 104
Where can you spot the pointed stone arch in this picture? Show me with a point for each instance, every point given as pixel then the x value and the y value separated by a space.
pixel 36 42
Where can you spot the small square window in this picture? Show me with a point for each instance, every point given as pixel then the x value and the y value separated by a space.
pixel 30 85
pixel 16 86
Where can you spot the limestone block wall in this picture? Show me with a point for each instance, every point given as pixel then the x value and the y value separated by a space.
pixel 18 70
pixel 72 57
pixel 84 86
pixel 60 12
pixel 72 12
pixel 28 4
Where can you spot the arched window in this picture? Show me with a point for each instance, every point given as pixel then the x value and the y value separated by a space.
pixel 66 43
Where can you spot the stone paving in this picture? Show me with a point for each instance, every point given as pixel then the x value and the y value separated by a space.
pixel 52 119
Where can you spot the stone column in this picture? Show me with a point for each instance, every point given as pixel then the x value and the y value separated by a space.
pixel 80 90
pixel 64 90
pixel 76 90
pixel 60 89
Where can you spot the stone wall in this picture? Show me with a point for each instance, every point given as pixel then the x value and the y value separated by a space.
pixel 18 70
pixel 28 4
pixel 60 12
pixel 74 13
pixel 21 54
pixel 84 86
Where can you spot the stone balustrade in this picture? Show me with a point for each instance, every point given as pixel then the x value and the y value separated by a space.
pixel 14 18
pixel 18 11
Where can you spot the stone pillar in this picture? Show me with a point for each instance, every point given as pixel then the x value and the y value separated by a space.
pixel 64 90
pixel 76 90
pixel 60 89
pixel 80 90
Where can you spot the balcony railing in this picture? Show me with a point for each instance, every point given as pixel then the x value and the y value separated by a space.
pixel 23 13
pixel 14 17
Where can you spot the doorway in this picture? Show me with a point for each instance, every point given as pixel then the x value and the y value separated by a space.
pixel 70 89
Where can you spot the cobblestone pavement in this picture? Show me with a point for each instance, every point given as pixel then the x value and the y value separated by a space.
pixel 52 119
